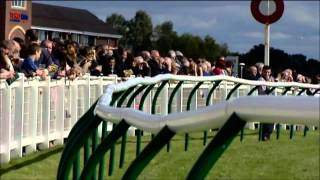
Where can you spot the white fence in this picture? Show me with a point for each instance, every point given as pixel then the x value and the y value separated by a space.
pixel 35 113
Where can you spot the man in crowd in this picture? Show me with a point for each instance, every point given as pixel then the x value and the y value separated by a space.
pixel 267 128
pixel 29 67
pixel 154 63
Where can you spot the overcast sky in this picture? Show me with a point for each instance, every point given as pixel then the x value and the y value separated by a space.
pixel 227 21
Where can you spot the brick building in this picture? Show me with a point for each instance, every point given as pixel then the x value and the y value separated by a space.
pixel 50 21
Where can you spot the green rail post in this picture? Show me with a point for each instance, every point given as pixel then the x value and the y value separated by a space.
pixel 79 132
pixel 138 133
pixel 73 132
pixel 315 92
pixel 305 131
pixel 150 151
pixel 130 101
pixel 103 147
pixel 76 166
pixel 193 91
pixel 124 137
pixel 141 104
pixel 260 131
pixel 278 130
pixel 174 91
pixel 86 151
pixel 216 84
pixel 94 146
pixel 291 131
pixel 228 97
pixel 233 90
pixel 111 159
pixel 155 97
pixel 102 165
pixel 216 147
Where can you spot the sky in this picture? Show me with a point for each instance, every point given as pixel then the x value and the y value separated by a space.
pixel 229 22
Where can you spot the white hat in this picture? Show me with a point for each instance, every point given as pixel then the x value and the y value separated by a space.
pixel 178 53
pixel 172 53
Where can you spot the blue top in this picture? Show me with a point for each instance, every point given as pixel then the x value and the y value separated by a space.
pixel 28 66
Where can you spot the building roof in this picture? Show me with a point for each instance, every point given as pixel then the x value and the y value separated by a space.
pixel 65 19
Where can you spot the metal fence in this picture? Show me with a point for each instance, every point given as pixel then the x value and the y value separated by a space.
pixel 186 94
pixel 34 114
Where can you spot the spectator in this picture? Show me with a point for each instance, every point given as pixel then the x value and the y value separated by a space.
pixel 46 54
pixel 6 67
pixel 185 67
pixel 109 67
pixel 301 79
pixel 193 69
pixel 105 54
pixel 146 55
pixel 172 54
pixel 267 128
pixel 285 76
pixel 154 63
pixel 219 67
pixel 31 37
pixel 29 67
pixel 6 51
pixel 252 73
pixel 259 66
pixel 142 68
pixel 89 63
pixel 205 69
pixel 179 60
pixel 229 68
pixel 121 62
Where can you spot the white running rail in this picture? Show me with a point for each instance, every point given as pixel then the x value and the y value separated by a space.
pixel 35 113
pixel 288 110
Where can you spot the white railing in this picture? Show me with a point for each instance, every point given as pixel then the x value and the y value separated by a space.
pixel 36 113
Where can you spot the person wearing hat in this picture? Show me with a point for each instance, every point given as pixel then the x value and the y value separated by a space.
pixel 219 67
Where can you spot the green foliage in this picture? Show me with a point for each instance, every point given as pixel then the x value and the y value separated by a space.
pixel 166 37
pixel 138 34
pixel 282 159
pixel 280 60
pixel 120 24
pixel 140 31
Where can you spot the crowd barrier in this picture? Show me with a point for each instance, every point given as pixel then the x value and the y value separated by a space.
pixel 36 114
pixel 200 113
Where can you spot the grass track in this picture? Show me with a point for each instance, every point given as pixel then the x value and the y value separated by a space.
pixel 282 159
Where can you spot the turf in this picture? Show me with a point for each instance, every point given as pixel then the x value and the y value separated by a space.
pixel 282 159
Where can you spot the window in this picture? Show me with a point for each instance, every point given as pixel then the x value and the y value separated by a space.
pixel 55 35
pixel 75 37
pixel 84 40
pixel 18 4
pixel 42 35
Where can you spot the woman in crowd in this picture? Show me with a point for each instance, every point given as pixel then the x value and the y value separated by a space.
pixel 89 64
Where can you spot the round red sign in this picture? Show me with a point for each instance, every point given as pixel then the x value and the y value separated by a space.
pixel 267 11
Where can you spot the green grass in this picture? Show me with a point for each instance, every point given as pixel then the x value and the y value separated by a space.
pixel 282 159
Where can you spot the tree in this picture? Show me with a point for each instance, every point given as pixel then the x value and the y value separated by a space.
pixel 189 45
pixel 280 60
pixel 166 36
pixel 140 30
pixel 211 50
pixel 120 24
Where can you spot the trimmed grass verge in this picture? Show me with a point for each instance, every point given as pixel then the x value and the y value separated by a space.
pixel 282 159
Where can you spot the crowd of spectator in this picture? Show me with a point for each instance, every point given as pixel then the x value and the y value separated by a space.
pixel 57 59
